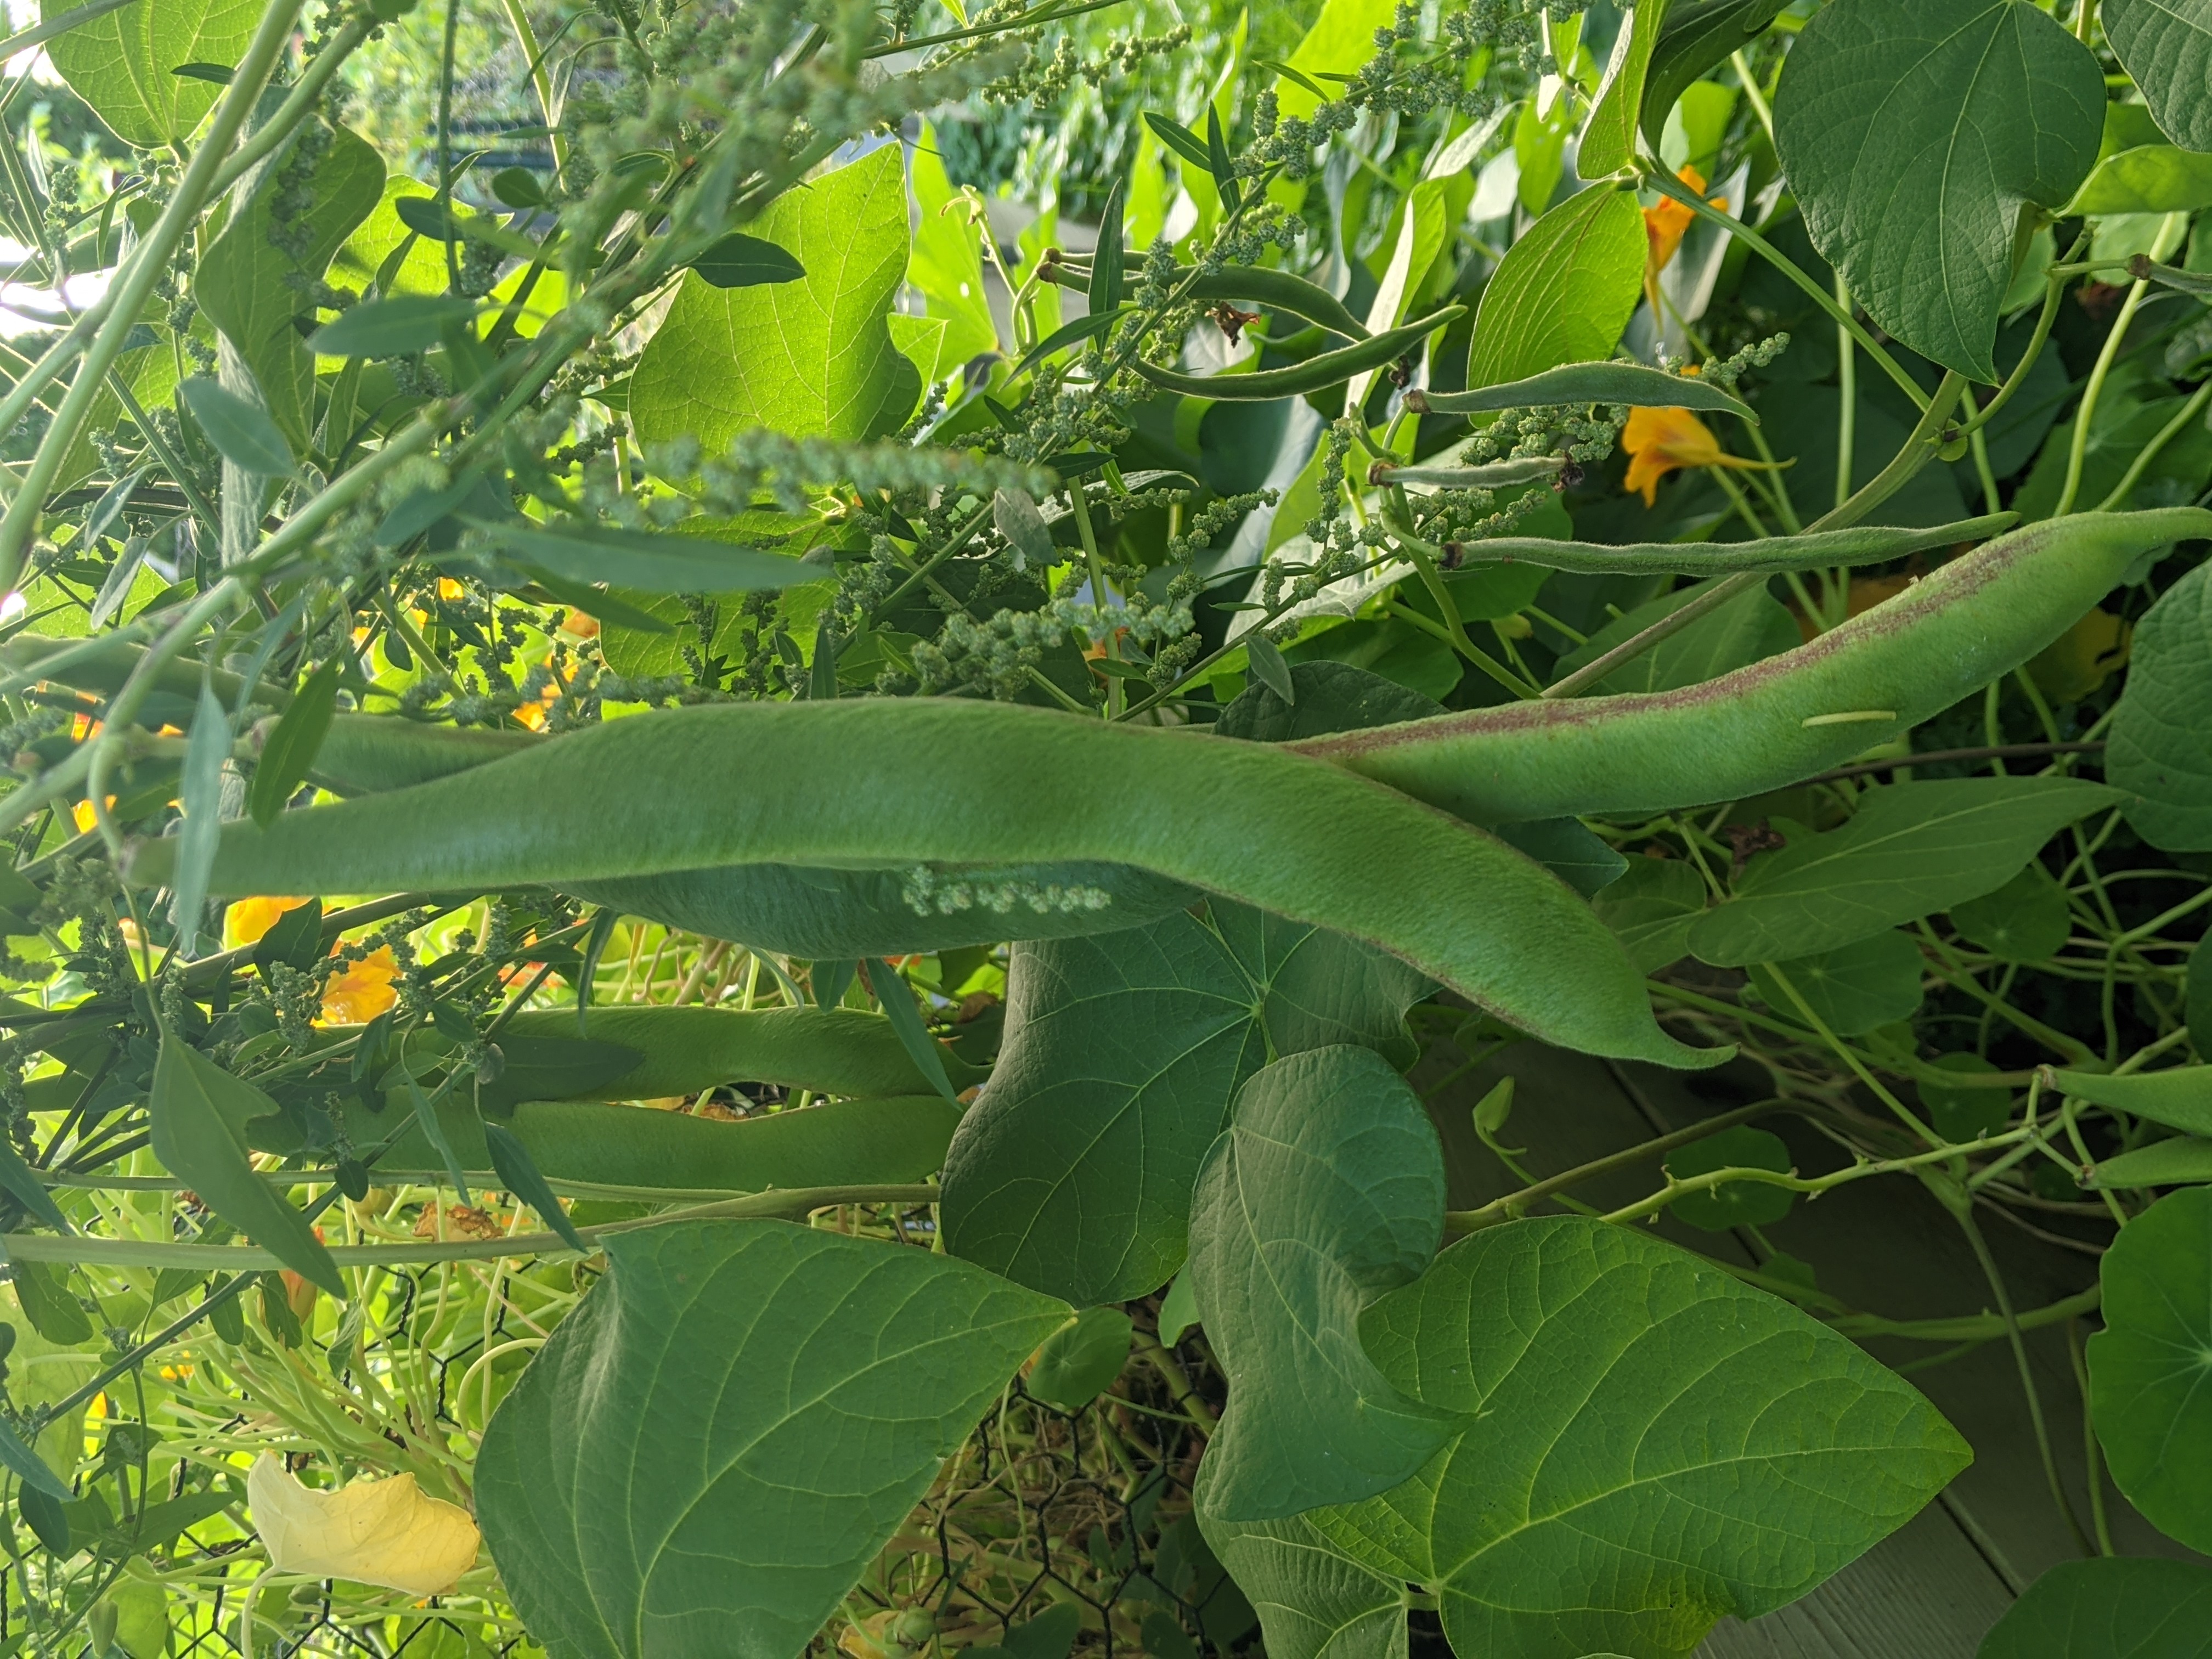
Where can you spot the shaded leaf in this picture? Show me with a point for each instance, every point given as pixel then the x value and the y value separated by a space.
pixel 398 327
pixel 742 261
pixel 288 754
pixel 2161 746
pixel 2112 1607
pixel 1079 1361
pixel 844 1370
pixel 1912 849
pixel 1733 1203
pixel 2166 45
pixel 2148 1366
pixel 1914 132
pixel 241 432
pixel 1852 989
pixel 1326 1190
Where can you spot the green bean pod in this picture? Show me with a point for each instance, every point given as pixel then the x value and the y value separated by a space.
pixel 1586 383
pixel 1315 375
pixel 1278 290
pixel 1818 550
pixel 103 665
pixel 883 782
pixel 681 1051
pixel 813 913
pixel 1781 721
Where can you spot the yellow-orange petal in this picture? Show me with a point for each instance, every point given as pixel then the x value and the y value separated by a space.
pixel 362 990
pixel 249 920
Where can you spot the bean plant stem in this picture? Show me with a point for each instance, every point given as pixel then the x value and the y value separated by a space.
pixel 2085 414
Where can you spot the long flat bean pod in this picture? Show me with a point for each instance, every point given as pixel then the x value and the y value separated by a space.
pixel 811 912
pixel 1278 290
pixel 1315 375
pixel 1781 721
pixel 1819 550
pixel 974 783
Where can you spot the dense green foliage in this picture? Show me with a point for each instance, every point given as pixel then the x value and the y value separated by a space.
pixel 1105 586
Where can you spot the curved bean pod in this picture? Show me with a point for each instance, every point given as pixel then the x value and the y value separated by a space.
pixel 1781 721
pixel 1315 375
pixel 1818 550
pixel 884 783
pixel 1586 383
pixel 368 754
pixel 103 665
pixel 1278 290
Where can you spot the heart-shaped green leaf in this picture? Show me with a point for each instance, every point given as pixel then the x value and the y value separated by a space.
pixel 2150 1368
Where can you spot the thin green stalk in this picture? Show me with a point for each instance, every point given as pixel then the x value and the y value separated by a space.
pixel 118 310
pixel 298 103
pixel 541 78
pixel 2092 1454
pixel 2150 452
pixel 1847 419
pixel 2084 414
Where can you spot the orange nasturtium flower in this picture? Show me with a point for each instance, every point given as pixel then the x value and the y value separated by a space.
pixel 362 990
pixel 1665 223
pixel 1658 441
pixel 249 920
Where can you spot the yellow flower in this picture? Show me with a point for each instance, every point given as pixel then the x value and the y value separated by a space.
pixel 373 1532
pixel 1665 223
pixel 362 990
pixel 85 816
pixel 248 920
pixel 1658 441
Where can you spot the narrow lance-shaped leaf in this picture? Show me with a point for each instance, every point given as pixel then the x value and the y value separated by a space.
pixel 205 755
pixel 426 1119
pixel 199 1114
pixel 640 559
pixel 1609 138
pixel 742 261
pixel 23 1185
pixel 898 1005
pixel 398 327
pixel 242 433
pixel 1106 262
pixel 288 754
pixel 30 1467
pixel 511 1161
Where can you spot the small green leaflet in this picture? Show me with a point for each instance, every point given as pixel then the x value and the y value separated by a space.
pixel 1912 849
pixel 846 1371
pixel 217 74
pixel 29 1466
pixel 897 1000
pixel 398 327
pixel 1106 260
pixel 242 433
pixel 1593 383
pixel 2180 1097
pixel 650 564
pixel 1326 1190
pixel 1268 666
pixel 296 940
pixel 2115 1607
pixel 1609 138
pixel 288 754
pixel 1079 1361
pixel 1180 139
pixel 2160 748
pixel 1733 1203
pixel 1074 332
pixel 426 1118
pixel 1218 162
pixel 2146 1371
pixel 23 1185
pixel 1852 989
pixel 1015 517
pixel 205 752
pixel 742 261
pixel 512 1162
pixel 199 1114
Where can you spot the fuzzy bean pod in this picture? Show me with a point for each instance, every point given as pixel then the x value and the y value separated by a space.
pixel 1780 721
pixel 1278 290
pixel 884 783
pixel 1586 383
pixel 1818 550
pixel 1315 375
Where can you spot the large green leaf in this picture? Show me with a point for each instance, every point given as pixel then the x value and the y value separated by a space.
pixel 946 264
pixel 1252 822
pixel 714 1444
pixel 1326 1190
pixel 1648 1445
pixel 120 64
pixel 2148 178
pixel 1314 1600
pixel 2112 1607
pixel 1910 850
pixel 1564 292
pixel 199 1114
pixel 1915 132
pixel 2160 750
pixel 2167 46
pixel 1699 33
pixel 251 289
pixel 813 357
pixel 2150 1368
pixel 1123 1052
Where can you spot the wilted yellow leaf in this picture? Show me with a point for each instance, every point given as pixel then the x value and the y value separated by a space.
pixel 373 1532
